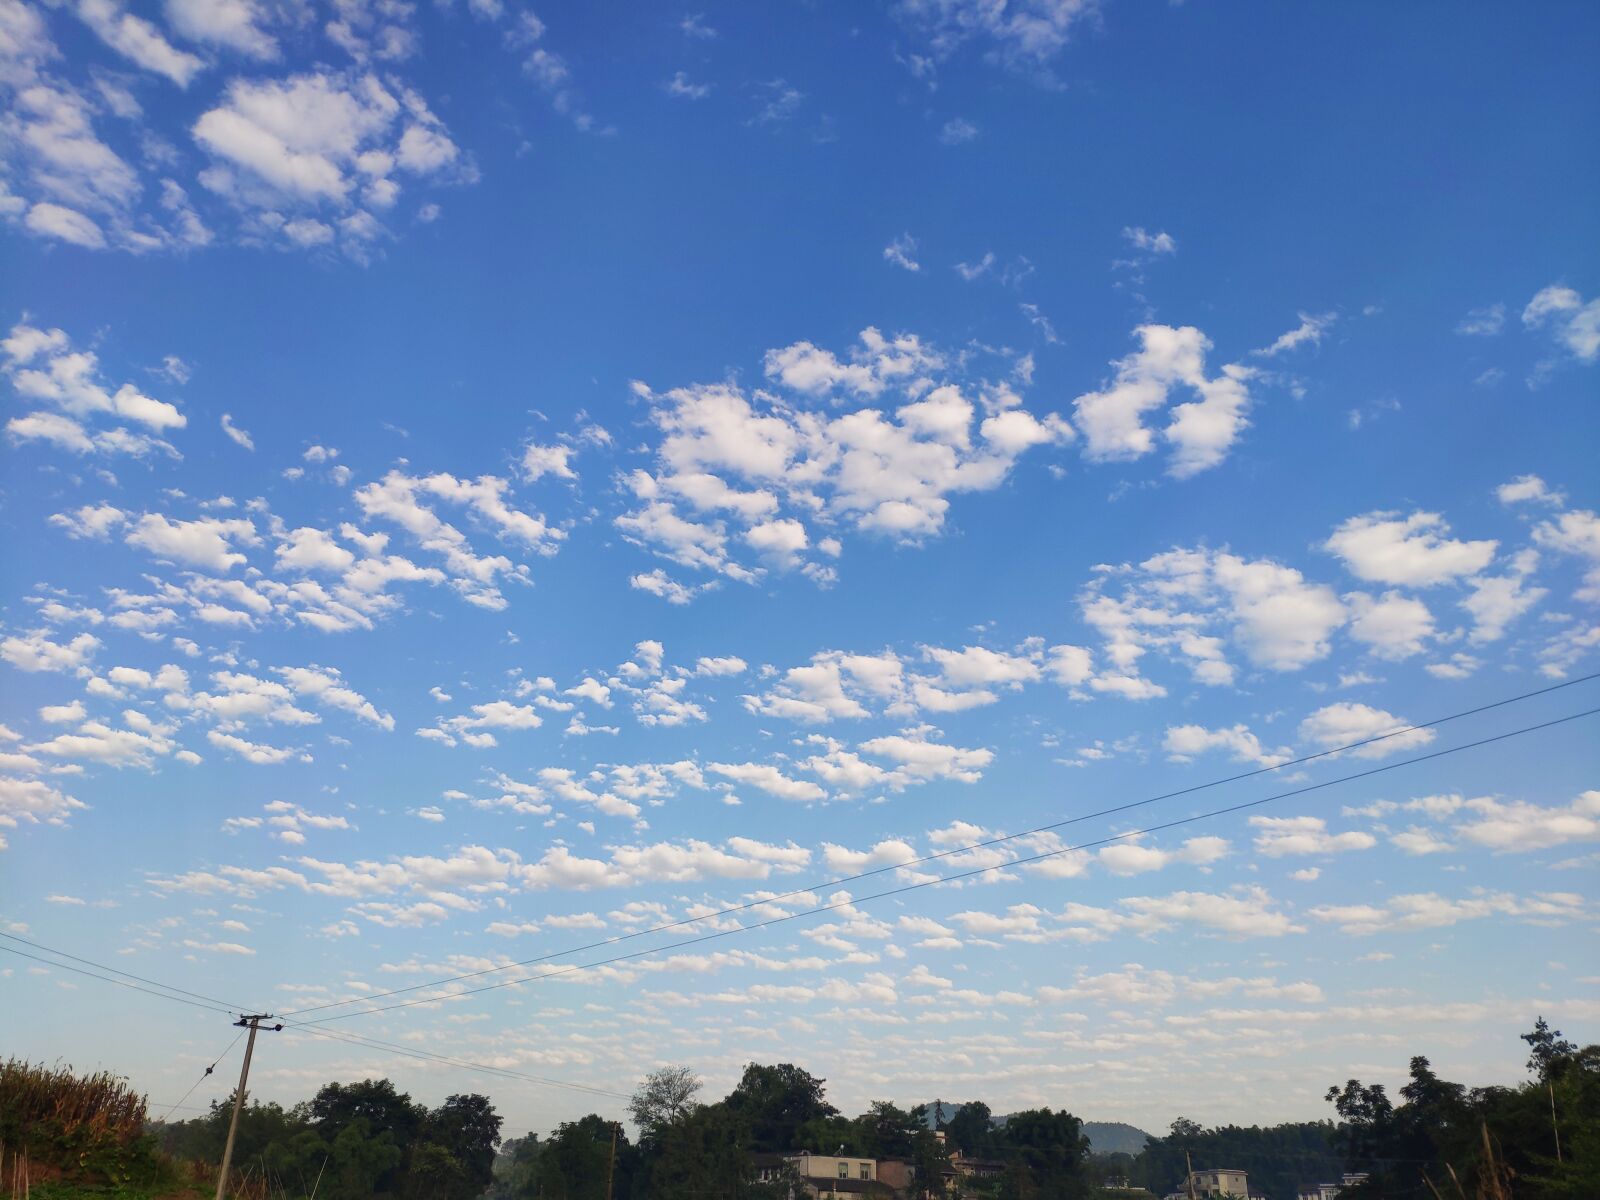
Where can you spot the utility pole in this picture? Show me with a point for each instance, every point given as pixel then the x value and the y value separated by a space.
pixel 1187 1162
pixel 611 1168
pixel 1554 1128
pixel 252 1022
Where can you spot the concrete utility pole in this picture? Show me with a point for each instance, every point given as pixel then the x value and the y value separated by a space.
pixel 611 1168
pixel 1187 1162
pixel 252 1022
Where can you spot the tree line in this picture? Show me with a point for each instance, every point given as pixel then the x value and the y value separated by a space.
pixel 1538 1140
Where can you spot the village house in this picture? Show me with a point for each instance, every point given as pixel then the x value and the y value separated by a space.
pixel 1207 1185
pixel 824 1174
pixel 1329 1191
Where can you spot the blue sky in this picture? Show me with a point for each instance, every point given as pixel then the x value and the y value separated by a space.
pixel 481 480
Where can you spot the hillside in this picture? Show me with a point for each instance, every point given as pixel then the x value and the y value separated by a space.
pixel 1105 1137
pixel 1114 1137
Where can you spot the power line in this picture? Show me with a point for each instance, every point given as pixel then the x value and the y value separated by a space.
pixel 465 1064
pixel 349 1038
pixel 202 1078
pixel 943 854
pixel 911 887
pixel 119 982
pixel 117 971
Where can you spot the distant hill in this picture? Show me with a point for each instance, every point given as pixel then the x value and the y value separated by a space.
pixel 1113 1137
pixel 1105 1137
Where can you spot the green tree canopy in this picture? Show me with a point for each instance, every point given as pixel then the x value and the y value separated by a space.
pixel 775 1101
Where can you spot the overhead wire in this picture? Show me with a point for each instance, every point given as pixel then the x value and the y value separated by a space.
pixel 840 881
pixel 960 875
pixel 198 1000
pixel 203 1076
pixel 464 1064
pixel 349 1038
pixel 118 971
pixel 227 1012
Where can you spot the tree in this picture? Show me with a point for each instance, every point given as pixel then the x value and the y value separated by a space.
pixel 888 1131
pixel 437 1172
pixel 1484 1136
pixel 362 1161
pixel 929 1158
pixel 575 1163
pixel 665 1096
pixel 1548 1050
pixel 701 1154
pixel 467 1129
pixel 971 1129
pixel 1277 1159
pixel 515 1169
pixel 1052 1148
pixel 382 1112
pixel 775 1101
pixel 834 1134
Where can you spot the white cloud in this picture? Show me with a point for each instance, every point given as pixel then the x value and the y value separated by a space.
pixel 1024 36
pixel 92 521
pixel 1150 243
pixel 326 686
pixel 98 742
pixel 957 131
pixel 768 779
pixel 539 461
pixel 309 549
pixel 1279 836
pixel 139 41
pixel 1414 551
pixel 62 714
pixel 1201 431
pixel 1576 532
pixel 1526 488
pixel 1282 620
pixel 1519 826
pixel 36 652
pixel 919 758
pixel 902 253
pixel 1132 857
pixel 236 435
pixel 1483 322
pixel 405 500
pixel 659 583
pixel 33 801
pixel 43 366
pixel 1497 600
pixel 1309 331
pixel 728 665
pixel 681 86
pixel 735 469
pixel 1184 742
pixel 65 224
pixel 1576 324
pixel 1341 724
pixel 251 752
pixel 232 24
pixel 1393 625
pixel 1429 910
pixel 74 186
pixel 319 151
pixel 206 542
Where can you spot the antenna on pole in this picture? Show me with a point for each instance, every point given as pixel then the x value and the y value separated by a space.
pixel 252 1022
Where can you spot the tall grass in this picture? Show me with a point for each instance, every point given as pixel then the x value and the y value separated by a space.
pixel 86 1124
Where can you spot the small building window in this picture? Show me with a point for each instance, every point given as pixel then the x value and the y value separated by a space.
pixel 866 1170
pixel 844 1170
